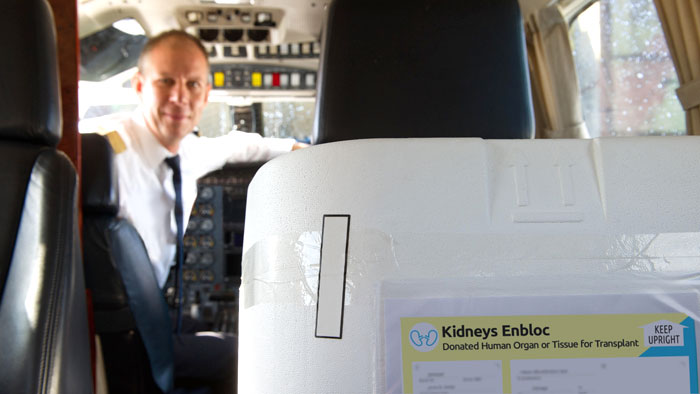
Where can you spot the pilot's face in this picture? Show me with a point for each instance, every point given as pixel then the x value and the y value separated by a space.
pixel 173 88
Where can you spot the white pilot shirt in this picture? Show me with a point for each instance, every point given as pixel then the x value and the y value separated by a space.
pixel 146 194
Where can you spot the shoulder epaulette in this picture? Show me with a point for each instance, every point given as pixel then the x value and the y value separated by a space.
pixel 118 145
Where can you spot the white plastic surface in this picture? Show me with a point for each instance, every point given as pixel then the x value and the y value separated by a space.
pixel 453 218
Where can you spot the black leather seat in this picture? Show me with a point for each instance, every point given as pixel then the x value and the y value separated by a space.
pixel 44 335
pixel 423 68
pixel 131 315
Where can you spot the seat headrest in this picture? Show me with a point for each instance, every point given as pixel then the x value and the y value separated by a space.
pixel 30 104
pixel 423 68
pixel 99 176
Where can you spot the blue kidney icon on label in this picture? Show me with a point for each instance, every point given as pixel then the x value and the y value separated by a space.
pixel 423 337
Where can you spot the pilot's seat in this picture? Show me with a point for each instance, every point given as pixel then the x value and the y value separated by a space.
pixel 423 69
pixel 44 336
pixel 131 315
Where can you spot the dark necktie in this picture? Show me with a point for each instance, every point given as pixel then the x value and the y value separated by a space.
pixel 174 164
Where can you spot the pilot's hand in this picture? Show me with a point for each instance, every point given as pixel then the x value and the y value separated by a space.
pixel 299 145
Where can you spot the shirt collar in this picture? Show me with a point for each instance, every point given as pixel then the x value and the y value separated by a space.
pixel 152 151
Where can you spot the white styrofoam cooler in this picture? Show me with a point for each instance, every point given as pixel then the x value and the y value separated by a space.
pixel 453 218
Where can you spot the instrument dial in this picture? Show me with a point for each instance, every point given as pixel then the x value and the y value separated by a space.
pixel 207 224
pixel 206 193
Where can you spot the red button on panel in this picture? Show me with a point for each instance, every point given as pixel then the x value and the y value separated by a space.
pixel 275 79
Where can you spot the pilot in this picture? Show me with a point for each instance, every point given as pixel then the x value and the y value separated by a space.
pixel 172 84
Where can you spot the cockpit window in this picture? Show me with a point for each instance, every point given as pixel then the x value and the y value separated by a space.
pixel 111 51
pixel 289 119
pixel 270 118
pixel 625 71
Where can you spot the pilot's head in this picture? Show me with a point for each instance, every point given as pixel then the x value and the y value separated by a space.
pixel 173 86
